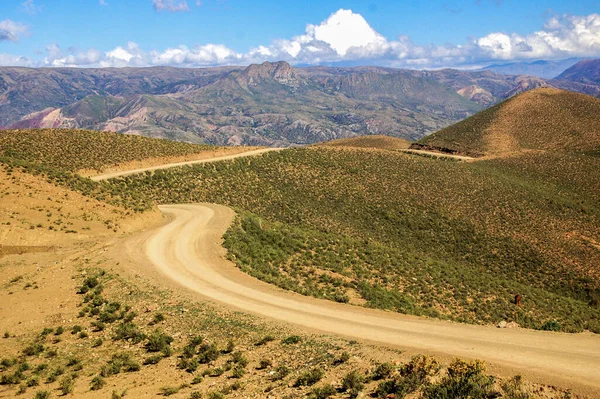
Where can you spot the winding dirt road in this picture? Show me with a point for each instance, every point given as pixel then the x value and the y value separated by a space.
pixel 110 175
pixel 188 250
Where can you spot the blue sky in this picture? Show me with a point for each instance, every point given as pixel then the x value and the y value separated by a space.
pixel 403 33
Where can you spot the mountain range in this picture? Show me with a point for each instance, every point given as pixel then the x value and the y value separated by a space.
pixel 269 104
pixel 541 68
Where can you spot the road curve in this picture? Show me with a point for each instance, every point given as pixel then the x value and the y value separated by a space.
pixel 189 251
pixel 110 175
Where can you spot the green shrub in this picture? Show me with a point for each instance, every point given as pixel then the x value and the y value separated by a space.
pixel 46 331
pixel 324 392
pixel 464 379
pixel 197 379
pixel 344 357
pixel 383 370
pixel 265 340
pixel 264 363
pixel 158 318
pixel 53 376
pixel 88 284
pixel 128 331
pixel 42 394
pixel 215 395
pixel 230 347
pixel 33 349
pixel 7 363
pixel 208 353
pixel 281 372
pixel 159 342
pixel 97 383
pixel 551 325
pixel 33 381
pixel 168 391
pixel 155 359
pixel 239 358
pixel 238 372
pixel 513 388
pixel 353 383
pixel 66 385
pixel 118 362
pixel 292 339
pixel 309 377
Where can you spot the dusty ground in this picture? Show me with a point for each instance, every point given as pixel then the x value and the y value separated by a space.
pixel 38 290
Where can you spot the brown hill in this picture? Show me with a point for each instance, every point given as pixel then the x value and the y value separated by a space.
pixel 542 119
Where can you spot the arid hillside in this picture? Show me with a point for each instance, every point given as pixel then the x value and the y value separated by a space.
pixel 542 119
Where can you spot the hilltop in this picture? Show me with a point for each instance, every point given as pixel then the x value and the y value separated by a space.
pixel 542 119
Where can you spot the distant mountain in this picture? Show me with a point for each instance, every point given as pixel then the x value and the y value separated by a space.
pixel 541 68
pixel 27 90
pixel 542 119
pixel 268 104
pixel 584 72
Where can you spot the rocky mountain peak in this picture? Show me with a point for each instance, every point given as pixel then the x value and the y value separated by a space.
pixel 280 71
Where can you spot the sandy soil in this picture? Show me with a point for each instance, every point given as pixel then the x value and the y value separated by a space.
pixel 188 251
pixel 126 172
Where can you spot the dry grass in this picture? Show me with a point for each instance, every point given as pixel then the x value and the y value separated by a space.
pixel 542 119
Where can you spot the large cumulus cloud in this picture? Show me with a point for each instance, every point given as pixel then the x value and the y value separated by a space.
pixel 344 36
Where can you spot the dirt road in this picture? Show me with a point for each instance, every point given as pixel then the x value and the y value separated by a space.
pixel 188 250
pixel 110 175
pixel 437 154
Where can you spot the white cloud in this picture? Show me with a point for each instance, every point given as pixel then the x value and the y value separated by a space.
pixel 30 7
pixel 72 58
pixel 343 37
pixel 562 36
pixel 12 31
pixel 103 2
pixel 170 5
pixel 15 60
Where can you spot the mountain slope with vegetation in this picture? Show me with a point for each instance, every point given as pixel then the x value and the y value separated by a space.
pixel 543 119
pixel 75 150
pixel 416 235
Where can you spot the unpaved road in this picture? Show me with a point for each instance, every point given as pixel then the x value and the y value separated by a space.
pixel 437 154
pixel 188 250
pixel 106 176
